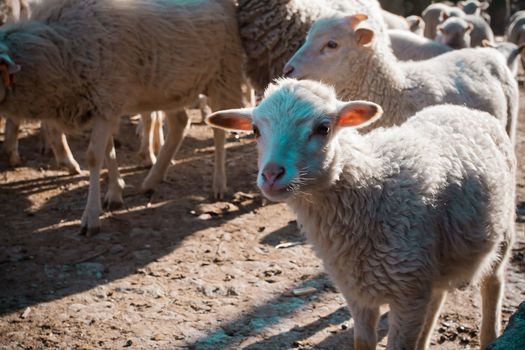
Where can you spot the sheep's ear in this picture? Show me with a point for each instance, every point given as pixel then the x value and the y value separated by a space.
pixel 470 27
pixel 232 119
pixel 440 28
pixel 443 16
pixel 461 4
pixel 484 5
pixel 354 20
pixel 487 43
pixel 364 36
pixel 8 68
pixel 358 114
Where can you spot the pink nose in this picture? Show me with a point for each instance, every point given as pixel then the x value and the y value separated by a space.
pixel 272 172
pixel 288 70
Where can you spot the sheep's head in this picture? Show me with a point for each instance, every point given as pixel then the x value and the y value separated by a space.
pixel 473 7
pixel 416 24
pixel 330 45
pixel 454 32
pixel 295 125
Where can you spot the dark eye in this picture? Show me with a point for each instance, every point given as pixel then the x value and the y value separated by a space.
pixel 331 44
pixel 322 129
pixel 256 131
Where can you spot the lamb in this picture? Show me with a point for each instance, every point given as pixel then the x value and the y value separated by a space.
pixel 516 31
pixel 393 21
pixel 510 52
pixel 341 50
pixel 409 46
pixel 416 24
pixel 454 32
pixel 399 216
pixel 474 7
pixel 272 30
pixel 86 63
pixel 480 28
pixel 431 15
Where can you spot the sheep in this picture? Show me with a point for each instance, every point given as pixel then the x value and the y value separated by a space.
pixel 409 46
pixel 393 21
pixel 454 32
pixel 361 67
pixel 480 28
pixel 474 7
pixel 272 30
pixel 151 136
pixel 510 51
pixel 86 63
pixel 399 216
pixel 431 15
pixel 515 32
pixel 416 24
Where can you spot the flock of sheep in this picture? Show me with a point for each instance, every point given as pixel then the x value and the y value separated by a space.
pixel 404 198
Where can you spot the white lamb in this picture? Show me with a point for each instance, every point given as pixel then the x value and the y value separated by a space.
pixel 342 51
pixel 416 24
pixel 454 32
pixel 409 46
pixel 86 63
pixel 393 21
pixel 399 216
pixel 432 17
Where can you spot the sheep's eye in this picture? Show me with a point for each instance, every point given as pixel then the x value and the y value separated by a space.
pixel 256 131
pixel 322 129
pixel 331 44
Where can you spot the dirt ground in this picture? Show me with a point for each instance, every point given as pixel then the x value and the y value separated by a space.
pixel 177 270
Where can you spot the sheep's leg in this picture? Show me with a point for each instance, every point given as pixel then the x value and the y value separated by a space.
pixel 158 133
pixel 10 146
pixel 178 124
pixel 406 320
pixel 100 134
pixel 365 326
pixel 146 149
pixel 492 294
pixel 58 142
pixel 438 296
pixel 204 107
pixel 113 199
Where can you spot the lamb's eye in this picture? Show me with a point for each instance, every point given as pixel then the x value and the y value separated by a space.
pixel 331 44
pixel 322 129
pixel 256 131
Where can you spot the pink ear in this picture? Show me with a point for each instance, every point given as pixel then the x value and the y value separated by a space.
pixel 364 36
pixel 232 119
pixel 354 20
pixel 358 113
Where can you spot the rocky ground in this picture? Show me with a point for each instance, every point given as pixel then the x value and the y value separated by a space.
pixel 177 270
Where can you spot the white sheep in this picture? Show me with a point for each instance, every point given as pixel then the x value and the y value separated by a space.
pixel 510 52
pixel 416 24
pixel 393 21
pixel 480 28
pixel 516 31
pixel 272 30
pixel 410 46
pixel 86 63
pixel 474 7
pixel 341 50
pixel 431 15
pixel 399 216
pixel 454 32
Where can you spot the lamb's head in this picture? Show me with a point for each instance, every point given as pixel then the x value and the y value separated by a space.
pixel 454 32
pixel 473 7
pixel 416 24
pixel 8 68
pixel 331 45
pixel 296 125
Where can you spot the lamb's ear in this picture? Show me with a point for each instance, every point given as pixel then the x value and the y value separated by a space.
pixel 364 36
pixel 484 6
pixel 358 114
pixel 232 119
pixel 354 20
pixel 487 43
pixel 470 27
pixel 443 16
pixel 8 68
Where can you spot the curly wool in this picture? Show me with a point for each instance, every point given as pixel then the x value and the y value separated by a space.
pixel 111 58
pixel 271 31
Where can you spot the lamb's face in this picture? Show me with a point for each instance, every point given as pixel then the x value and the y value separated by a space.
pixel 454 32
pixel 295 127
pixel 329 47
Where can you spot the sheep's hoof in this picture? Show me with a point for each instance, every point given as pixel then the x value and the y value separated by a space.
pixel 89 231
pixel 149 183
pixel 113 205
pixel 14 159
pixel 72 168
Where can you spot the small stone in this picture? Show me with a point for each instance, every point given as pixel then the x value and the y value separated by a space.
pixel 129 342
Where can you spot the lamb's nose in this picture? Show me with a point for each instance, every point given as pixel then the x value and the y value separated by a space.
pixel 288 70
pixel 272 172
